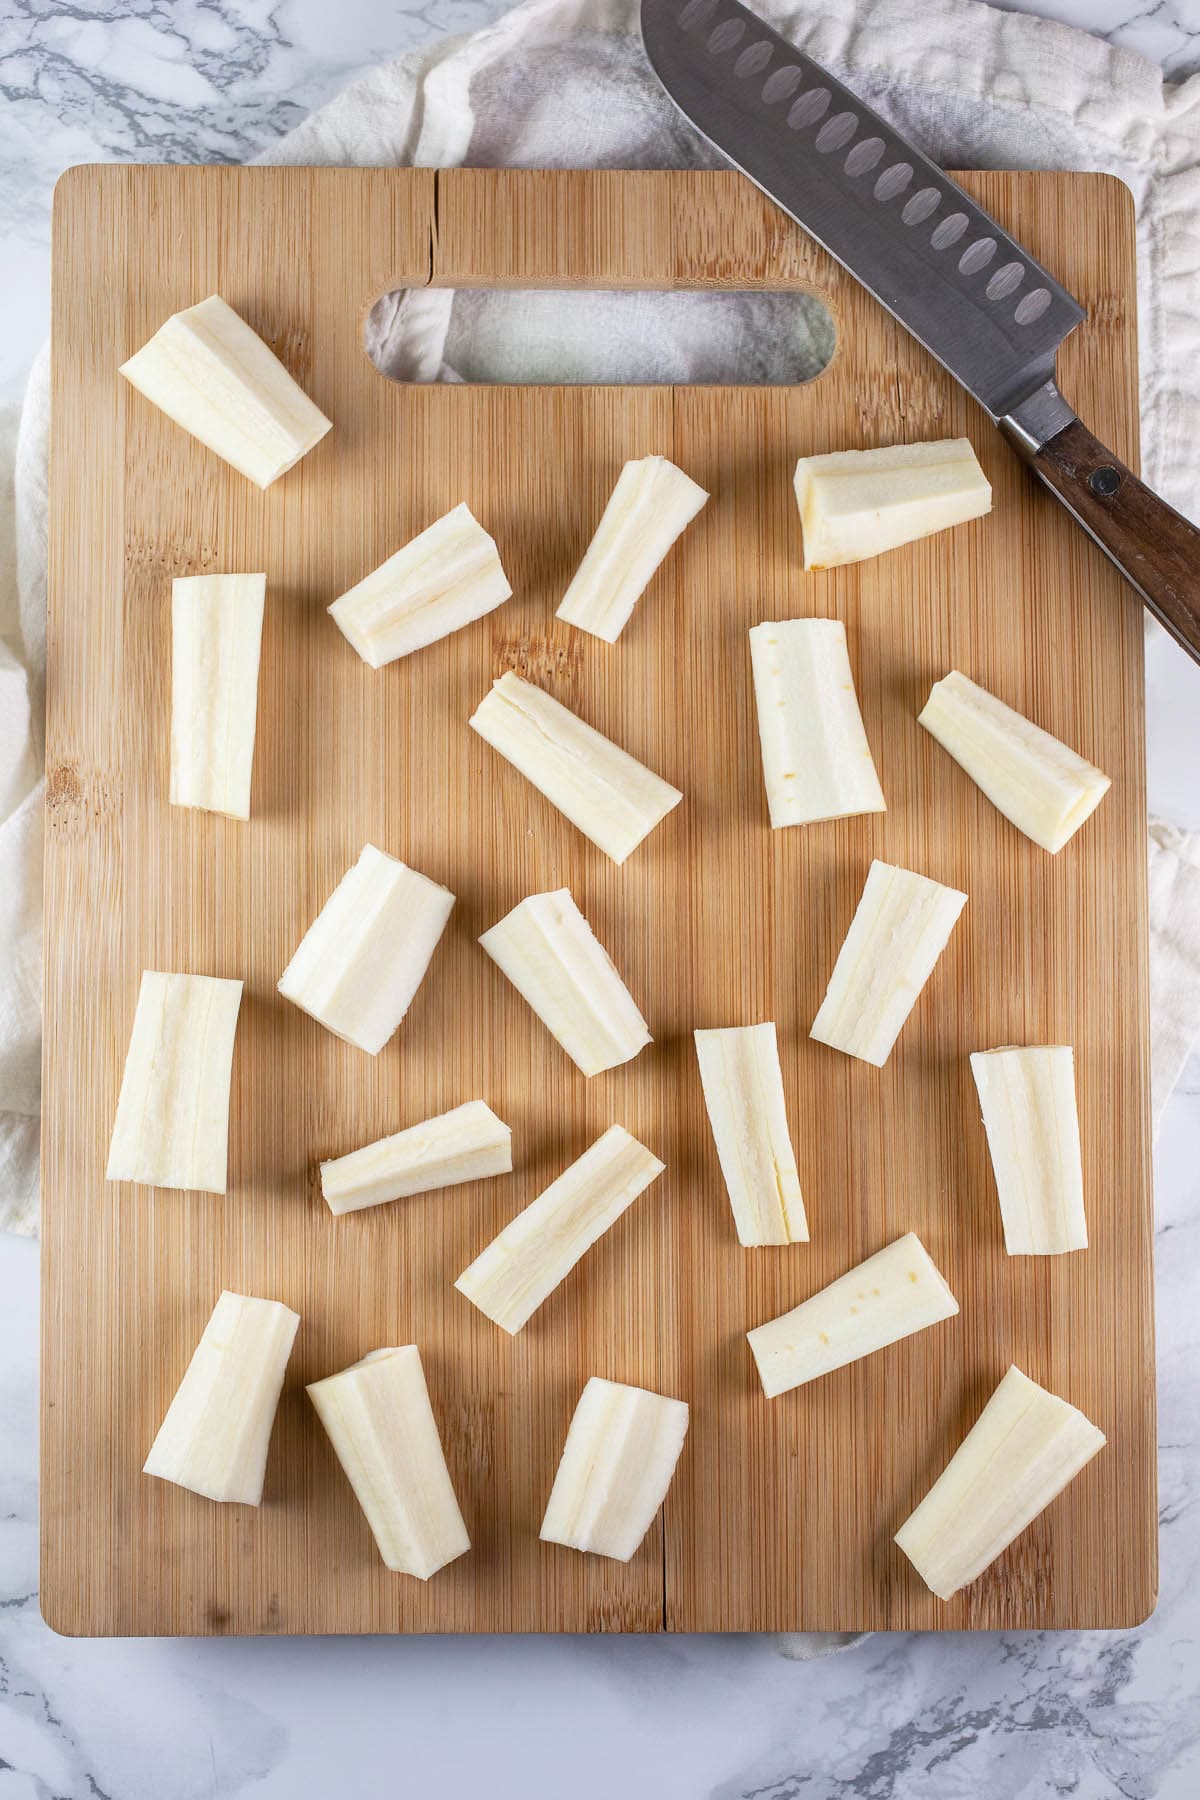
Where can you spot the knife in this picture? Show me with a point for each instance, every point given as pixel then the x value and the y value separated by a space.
pixel 946 270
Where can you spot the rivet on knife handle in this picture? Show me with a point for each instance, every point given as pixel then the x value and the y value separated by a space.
pixel 1155 548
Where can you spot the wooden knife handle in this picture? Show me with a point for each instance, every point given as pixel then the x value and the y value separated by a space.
pixel 1153 545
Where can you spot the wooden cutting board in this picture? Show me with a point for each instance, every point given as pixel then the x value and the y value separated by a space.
pixel 782 1513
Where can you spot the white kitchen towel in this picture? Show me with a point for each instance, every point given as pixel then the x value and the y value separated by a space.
pixel 22 658
pixel 564 83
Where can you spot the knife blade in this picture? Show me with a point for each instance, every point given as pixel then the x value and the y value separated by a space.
pixel 948 271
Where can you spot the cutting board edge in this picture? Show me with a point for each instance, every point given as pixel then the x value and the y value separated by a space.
pixel 49 852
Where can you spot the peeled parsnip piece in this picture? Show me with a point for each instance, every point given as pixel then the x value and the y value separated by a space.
pixel 1032 1125
pixel 447 577
pixel 362 959
pixel 383 1431
pixel 206 369
pixel 617 1463
pixel 172 1124
pixel 603 790
pixel 540 1247
pixel 464 1144
pixel 894 1293
pixel 743 1091
pixel 1022 1451
pixel 215 1436
pixel 816 758
pixel 895 937
pixel 859 503
pixel 216 635
pixel 555 961
pixel 652 503
pixel 1042 787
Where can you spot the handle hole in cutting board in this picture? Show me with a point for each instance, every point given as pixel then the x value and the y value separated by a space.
pixel 617 337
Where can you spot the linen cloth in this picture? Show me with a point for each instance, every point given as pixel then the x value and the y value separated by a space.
pixel 565 83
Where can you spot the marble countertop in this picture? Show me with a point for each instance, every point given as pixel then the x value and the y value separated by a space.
pixel 731 1718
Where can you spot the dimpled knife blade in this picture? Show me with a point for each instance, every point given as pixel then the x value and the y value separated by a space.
pixel 922 246
pixel 966 290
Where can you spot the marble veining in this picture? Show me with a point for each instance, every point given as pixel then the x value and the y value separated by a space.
pixel 893 1718
pixel 1165 31
pixel 167 81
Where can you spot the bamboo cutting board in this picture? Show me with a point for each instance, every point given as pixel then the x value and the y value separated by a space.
pixel 782 1513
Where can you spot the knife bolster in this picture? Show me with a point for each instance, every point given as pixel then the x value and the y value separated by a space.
pixel 1037 419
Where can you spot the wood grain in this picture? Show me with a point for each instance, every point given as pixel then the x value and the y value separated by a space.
pixel 782 1512
pixel 1158 549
